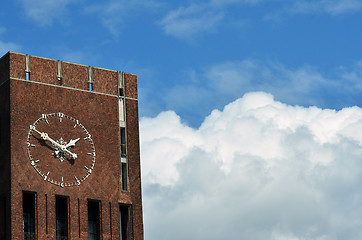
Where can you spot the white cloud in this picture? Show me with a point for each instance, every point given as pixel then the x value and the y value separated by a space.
pixel 114 13
pixel 45 12
pixel 258 169
pixel 187 22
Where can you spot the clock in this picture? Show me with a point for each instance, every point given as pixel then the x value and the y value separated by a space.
pixel 60 149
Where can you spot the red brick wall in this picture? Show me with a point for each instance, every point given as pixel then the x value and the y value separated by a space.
pixel 99 114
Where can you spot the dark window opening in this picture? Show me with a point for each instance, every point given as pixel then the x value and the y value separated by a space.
pixel 124 177
pixel 123 142
pixel 0 132
pixel 46 213
pixel 93 220
pixel 2 217
pixel 61 208
pixel 78 218
pixel 121 93
pixel 29 216
pixel 110 218
pixel 123 219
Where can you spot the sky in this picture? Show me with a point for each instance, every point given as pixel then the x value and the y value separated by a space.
pixel 250 110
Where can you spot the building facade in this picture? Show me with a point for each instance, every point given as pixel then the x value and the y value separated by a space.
pixel 69 151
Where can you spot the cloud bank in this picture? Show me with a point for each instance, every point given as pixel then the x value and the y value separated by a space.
pixel 258 169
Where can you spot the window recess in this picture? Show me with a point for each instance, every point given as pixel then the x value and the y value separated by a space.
pixel 124 222
pixel 62 217
pixel 94 228
pixel 29 216
pixel 124 176
pixel 120 77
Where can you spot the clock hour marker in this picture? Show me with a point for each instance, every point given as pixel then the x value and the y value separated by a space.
pixel 76 123
pixel 60 115
pixel 34 162
pixel 44 116
pixel 46 176
pixel 76 179
pixel 30 144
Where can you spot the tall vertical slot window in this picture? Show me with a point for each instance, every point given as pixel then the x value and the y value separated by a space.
pixel 124 177
pixel 61 208
pixel 123 142
pixel 93 220
pixel 120 78
pixel 28 216
pixel 123 220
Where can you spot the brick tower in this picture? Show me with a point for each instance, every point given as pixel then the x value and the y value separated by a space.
pixel 69 151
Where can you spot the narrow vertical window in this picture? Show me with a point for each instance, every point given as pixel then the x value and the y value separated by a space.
pixel 90 86
pixel 29 216
pixel 78 218
pixel 110 218
pixel 46 213
pixel 120 78
pixel 61 208
pixel 27 75
pixel 123 219
pixel 124 177
pixel 123 142
pixel 121 93
pixel 93 220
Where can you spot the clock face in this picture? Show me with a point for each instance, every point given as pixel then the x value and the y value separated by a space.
pixel 60 149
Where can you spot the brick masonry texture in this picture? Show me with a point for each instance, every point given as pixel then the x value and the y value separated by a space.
pixel 23 102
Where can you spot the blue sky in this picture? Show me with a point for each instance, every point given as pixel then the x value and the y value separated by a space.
pixel 290 71
pixel 174 46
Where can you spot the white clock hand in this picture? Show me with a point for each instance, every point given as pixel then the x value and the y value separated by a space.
pixel 72 143
pixel 46 137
